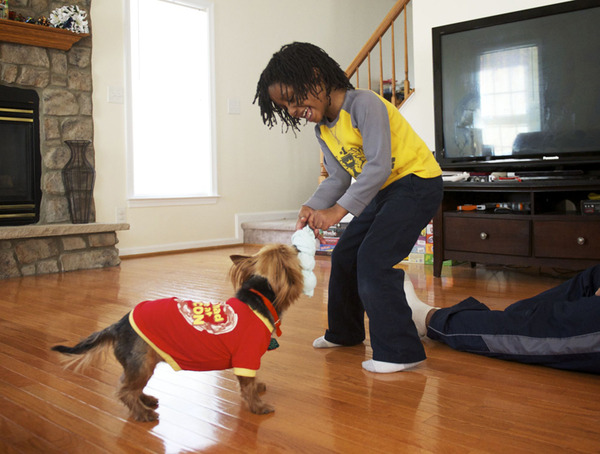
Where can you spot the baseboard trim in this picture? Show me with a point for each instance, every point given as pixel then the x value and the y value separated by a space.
pixel 177 247
pixel 237 240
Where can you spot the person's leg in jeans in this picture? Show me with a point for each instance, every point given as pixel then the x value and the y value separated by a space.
pixel 363 277
pixel 402 213
pixel 558 328
pixel 345 309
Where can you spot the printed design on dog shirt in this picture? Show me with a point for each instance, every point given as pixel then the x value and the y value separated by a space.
pixel 214 318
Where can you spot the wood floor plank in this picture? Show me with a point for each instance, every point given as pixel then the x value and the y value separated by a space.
pixel 38 434
pixel 325 402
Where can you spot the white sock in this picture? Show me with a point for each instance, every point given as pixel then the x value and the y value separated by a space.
pixel 419 308
pixel 321 342
pixel 381 367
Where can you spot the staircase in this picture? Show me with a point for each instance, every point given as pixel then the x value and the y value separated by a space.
pixel 264 232
pixel 383 80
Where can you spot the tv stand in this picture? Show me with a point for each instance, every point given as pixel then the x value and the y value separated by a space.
pixel 548 231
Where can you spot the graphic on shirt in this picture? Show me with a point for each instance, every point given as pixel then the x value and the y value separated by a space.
pixel 214 318
pixel 365 112
pixel 352 160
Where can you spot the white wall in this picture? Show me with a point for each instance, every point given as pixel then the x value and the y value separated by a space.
pixel 428 14
pixel 259 170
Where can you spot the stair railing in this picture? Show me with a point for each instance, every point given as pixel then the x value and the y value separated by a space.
pixel 377 40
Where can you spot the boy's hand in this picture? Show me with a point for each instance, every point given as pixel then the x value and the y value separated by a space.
pixel 323 219
pixel 304 217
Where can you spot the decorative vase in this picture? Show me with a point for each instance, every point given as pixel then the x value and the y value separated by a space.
pixel 78 177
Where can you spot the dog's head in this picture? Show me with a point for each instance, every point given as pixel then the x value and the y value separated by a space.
pixel 278 264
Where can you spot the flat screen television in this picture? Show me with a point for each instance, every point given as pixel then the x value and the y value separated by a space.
pixel 519 90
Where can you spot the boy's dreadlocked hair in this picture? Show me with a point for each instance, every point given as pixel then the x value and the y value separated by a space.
pixel 303 67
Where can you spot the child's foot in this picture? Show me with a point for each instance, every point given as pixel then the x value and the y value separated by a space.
pixel 382 367
pixel 419 308
pixel 321 342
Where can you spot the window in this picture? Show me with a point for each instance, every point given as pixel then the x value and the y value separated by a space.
pixel 171 113
pixel 509 85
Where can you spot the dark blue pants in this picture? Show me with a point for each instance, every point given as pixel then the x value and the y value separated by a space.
pixel 363 277
pixel 558 328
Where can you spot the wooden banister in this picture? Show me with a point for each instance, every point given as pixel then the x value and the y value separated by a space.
pixel 376 39
pixel 391 16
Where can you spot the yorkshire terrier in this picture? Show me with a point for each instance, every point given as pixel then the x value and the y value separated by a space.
pixel 201 336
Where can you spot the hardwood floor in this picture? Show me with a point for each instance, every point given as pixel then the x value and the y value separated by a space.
pixel 325 402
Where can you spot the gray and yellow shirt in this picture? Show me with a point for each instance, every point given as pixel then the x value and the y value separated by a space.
pixel 372 142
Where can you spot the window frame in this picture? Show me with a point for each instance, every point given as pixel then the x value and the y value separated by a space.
pixel 142 201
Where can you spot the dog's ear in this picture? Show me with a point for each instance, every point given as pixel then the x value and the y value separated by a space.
pixel 235 258
pixel 241 270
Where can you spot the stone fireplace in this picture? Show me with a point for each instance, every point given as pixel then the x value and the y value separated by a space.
pixel 62 80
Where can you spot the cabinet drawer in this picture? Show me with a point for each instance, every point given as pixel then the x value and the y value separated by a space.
pixel 567 239
pixel 488 236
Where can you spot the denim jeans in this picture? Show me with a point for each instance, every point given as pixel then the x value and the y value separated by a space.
pixel 363 277
pixel 558 328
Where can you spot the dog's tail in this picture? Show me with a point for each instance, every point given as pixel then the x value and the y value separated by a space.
pixel 89 350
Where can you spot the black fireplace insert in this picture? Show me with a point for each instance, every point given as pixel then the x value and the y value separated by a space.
pixel 20 158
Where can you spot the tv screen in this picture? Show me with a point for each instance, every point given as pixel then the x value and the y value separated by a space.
pixel 520 89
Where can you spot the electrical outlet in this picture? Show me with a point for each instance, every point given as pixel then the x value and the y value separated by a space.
pixel 121 215
pixel 116 95
pixel 234 106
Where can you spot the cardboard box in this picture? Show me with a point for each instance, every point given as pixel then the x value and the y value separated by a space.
pixel 416 258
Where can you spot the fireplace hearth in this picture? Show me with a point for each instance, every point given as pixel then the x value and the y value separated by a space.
pixel 20 158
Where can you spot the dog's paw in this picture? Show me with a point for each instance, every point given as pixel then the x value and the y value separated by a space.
pixel 146 416
pixel 261 387
pixel 149 401
pixel 262 409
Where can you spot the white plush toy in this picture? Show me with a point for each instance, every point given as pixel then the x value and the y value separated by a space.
pixel 304 240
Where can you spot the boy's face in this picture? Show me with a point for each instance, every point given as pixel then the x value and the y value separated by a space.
pixel 313 108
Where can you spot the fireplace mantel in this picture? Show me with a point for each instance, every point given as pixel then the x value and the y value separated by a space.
pixel 38 35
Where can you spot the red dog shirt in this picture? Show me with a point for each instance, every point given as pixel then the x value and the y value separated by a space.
pixel 200 336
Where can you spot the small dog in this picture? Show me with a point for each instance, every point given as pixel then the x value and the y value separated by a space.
pixel 234 334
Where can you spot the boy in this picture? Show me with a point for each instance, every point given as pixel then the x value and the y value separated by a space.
pixel 397 191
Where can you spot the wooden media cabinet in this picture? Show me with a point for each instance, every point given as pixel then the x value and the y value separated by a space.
pixel 549 231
